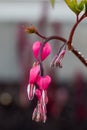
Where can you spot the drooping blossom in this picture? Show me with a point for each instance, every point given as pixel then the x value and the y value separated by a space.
pixel 58 58
pixel 38 84
pixel 45 51
pixel 34 72
pixel 43 82
pixel 39 113
pixel 31 91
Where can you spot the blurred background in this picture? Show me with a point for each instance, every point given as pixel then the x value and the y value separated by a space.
pixel 67 107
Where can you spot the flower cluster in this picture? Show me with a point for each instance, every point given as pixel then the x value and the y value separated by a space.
pixel 38 83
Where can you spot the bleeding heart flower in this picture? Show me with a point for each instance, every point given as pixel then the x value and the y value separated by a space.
pixel 45 52
pixel 43 82
pixel 56 61
pixel 34 72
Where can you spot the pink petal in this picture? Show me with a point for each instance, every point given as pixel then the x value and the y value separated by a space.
pixel 36 48
pixel 34 72
pixel 38 114
pixel 43 82
pixel 60 57
pixel 31 91
pixel 45 52
pixel 34 114
pixel 44 97
pixel 38 93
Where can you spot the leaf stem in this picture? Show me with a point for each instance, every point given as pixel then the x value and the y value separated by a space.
pixel 74 28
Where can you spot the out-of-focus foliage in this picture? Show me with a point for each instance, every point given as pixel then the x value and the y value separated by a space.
pixel 76 6
pixel 52 2
pixel 85 2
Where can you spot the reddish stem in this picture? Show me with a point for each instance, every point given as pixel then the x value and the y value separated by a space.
pixel 79 55
pixel 73 30
pixel 40 35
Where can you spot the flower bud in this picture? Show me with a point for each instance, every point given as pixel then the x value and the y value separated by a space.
pixel 31 29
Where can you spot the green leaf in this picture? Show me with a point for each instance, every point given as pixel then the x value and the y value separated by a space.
pixel 75 6
pixel 52 2
pixel 80 6
pixel 72 4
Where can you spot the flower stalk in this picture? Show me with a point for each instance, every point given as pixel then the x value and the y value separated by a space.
pixel 74 28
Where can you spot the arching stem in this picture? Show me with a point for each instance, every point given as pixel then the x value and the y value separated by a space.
pixel 45 41
pixel 72 49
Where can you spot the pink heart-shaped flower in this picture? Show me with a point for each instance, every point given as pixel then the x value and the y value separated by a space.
pixel 43 82
pixel 45 52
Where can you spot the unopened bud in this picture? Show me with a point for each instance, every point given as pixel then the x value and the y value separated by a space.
pixel 31 29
